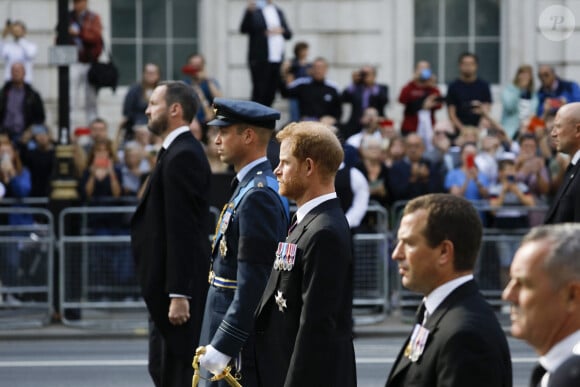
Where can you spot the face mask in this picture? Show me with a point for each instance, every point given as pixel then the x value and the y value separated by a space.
pixel 425 74
pixel 260 4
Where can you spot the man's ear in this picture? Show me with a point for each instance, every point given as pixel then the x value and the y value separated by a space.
pixel 446 252
pixel 310 166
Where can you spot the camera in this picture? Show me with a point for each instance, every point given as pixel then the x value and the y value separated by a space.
pixel 511 178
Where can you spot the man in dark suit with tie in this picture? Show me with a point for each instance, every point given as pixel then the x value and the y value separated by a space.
pixel 566 136
pixel 169 237
pixel 457 340
pixel 303 322
pixel 544 291
pixel 250 226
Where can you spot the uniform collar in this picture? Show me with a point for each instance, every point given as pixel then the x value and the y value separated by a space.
pixel 248 167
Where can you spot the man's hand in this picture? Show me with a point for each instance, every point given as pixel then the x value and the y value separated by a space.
pixel 178 311
pixel 213 360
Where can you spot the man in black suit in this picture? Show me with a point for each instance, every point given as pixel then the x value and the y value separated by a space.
pixel 544 291
pixel 566 136
pixel 457 340
pixel 303 322
pixel 169 236
pixel 568 374
pixel 246 236
pixel 266 25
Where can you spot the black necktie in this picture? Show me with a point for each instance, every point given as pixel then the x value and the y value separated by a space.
pixel 159 154
pixel 234 184
pixel 537 375
pixel 421 313
pixel 569 170
pixel 293 223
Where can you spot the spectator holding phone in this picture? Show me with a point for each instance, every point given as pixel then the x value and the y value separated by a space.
pixel 531 168
pixel 18 49
pixel 467 92
pixel 363 92
pixel 421 98
pixel 206 88
pixel 467 180
pixel 101 179
pixel 554 91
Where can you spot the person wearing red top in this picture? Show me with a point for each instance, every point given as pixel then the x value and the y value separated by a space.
pixel 420 94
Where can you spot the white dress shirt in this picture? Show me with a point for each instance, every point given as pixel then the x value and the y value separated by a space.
pixel 304 209
pixel 275 41
pixel 557 355
pixel 437 296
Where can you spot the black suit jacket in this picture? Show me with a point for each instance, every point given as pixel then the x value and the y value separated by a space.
pixel 567 374
pixel 466 347
pixel 309 343
pixel 169 237
pixel 254 24
pixel 566 204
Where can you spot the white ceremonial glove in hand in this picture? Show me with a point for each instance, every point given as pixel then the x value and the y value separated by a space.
pixel 214 361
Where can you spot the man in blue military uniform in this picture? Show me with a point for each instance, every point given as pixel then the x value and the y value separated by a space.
pixel 246 236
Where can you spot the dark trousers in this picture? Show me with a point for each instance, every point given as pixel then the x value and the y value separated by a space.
pixel 265 81
pixel 165 369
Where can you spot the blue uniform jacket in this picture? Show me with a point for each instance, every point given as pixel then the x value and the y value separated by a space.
pixel 243 266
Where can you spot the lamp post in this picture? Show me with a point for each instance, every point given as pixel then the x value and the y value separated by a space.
pixel 64 185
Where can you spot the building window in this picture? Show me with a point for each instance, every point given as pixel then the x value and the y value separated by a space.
pixel 162 32
pixel 446 28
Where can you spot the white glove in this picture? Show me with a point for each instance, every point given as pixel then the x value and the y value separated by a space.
pixel 214 361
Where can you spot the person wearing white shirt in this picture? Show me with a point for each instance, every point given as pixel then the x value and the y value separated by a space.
pixel 17 50
pixel 544 292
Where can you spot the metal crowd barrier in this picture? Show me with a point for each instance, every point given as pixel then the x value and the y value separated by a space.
pixel 370 271
pixel 98 283
pixel 499 243
pixel 26 265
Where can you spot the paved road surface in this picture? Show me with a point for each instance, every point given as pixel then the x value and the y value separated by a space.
pixel 123 362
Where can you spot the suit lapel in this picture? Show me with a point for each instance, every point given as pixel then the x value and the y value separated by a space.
pixel 432 324
pixel 294 237
pixel 562 190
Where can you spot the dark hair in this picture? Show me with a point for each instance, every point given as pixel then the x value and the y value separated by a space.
pixel 300 46
pixel 181 93
pixel 466 55
pixel 528 136
pixel 502 164
pixel 191 56
pixel 452 218
pixel 98 120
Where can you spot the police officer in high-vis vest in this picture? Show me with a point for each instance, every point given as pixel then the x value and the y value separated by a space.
pixel 246 236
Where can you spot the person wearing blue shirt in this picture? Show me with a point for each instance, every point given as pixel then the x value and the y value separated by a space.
pixel 466 180
pixel 554 91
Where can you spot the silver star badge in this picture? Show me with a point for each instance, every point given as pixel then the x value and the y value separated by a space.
pixel 280 301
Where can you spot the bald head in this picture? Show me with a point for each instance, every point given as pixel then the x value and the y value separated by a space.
pixel 571 111
pixel 566 130
pixel 17 73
